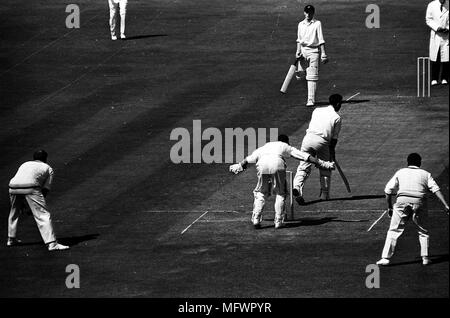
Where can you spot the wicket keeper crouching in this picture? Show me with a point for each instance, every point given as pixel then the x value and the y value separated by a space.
pixel 271 172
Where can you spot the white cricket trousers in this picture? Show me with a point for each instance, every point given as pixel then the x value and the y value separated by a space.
pixel 315 146
pixel 117 6
pixel 406 209
pixel 268 183
pixel 38 206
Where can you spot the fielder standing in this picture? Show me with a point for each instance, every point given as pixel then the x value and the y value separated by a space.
pixel 320 140
pixel 30 186
pixel 411 185
pixel 271 172
pixel 437 20
pixel 310 49
pixel 115 7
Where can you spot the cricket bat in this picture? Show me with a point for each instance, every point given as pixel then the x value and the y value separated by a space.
pixel 289 76
pixel 347 185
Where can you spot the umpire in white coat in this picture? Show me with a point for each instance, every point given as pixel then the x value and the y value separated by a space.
pixel 437 20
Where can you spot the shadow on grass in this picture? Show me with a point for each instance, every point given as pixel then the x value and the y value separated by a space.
pixel 435 259
pixel 138 37
pixel 352 198
pixel 70 241
pixel 310 221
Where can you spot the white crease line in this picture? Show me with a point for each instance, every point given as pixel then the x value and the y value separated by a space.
pixel 43 48
pixel 194 222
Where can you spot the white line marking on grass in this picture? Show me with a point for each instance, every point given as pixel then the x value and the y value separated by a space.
pixel 193 223
pixel 44 47
pixel 352 96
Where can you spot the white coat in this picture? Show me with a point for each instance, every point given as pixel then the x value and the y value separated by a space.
pixel 436 18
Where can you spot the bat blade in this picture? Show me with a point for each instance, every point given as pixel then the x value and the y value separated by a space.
pixel 344 178
pixel 287 80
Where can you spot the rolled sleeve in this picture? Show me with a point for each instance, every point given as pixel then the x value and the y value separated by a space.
pixel 320 34
pixel 48 182
pixel 432 185
pixel 301 155
pixel 337 128
pixel 392 185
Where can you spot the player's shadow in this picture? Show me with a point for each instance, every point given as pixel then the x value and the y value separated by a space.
pixel 70 241
pixel 435 259
pixel 309 221
pixel 352 198
pixel 139 37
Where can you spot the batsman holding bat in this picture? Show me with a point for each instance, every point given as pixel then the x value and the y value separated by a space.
pixel 320 140
pixel 411 186
pixel 271 171
pixel 310 49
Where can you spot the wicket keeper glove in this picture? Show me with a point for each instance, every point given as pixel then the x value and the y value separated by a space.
pixel 236 168
pixel 325 164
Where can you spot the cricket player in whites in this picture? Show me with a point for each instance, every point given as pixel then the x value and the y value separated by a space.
pixel 411 186
pixel 271 172
pixel 115 7
pixel 320 140
pixel 29 187
pixel 437 21
pixel 310 49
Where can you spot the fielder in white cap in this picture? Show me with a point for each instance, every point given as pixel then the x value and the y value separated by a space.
pixel 271 172
pixel 411 186
pixel 310 49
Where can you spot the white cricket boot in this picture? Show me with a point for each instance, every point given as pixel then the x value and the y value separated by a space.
pixel 383 262
pixel 54 246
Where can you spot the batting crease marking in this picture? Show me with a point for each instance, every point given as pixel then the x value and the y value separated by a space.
pixel 194 222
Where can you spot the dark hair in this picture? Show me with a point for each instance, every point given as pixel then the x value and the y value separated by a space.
pixel 40 155
pixel 335 99
pixel 283 138
pixel 414 159
pixel 309 9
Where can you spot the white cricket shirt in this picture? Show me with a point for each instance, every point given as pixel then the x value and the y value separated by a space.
pixel 325 122
pixel 310 33
pixel 32 174
pixel 411 181
pixel 270 158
